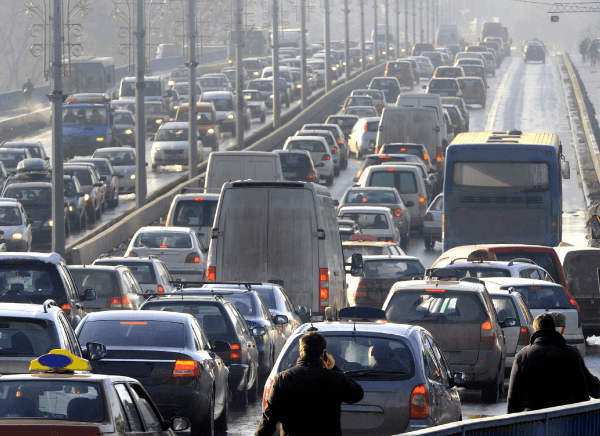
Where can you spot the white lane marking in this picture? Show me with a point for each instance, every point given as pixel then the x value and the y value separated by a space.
pixel 489 126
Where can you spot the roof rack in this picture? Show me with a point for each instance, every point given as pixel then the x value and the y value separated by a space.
pixel 521 260
pixel 181 285
pixel 48 304
pixel 472 280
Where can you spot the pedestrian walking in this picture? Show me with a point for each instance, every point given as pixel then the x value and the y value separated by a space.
pixel 27 92
pixel 307 399
pixel 593 52
pixel 583 45
pixel 546 373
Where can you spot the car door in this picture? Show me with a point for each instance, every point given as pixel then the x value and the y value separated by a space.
pixel 246 340
pixel 275 332
pixel 141 415
pixel 132 287
pixel 67 332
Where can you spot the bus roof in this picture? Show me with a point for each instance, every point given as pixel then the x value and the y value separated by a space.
pixel 510 137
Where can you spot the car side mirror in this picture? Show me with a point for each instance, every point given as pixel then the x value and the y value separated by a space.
pixel 320 165
pixel 46 158
pixel 258 331
pixel 98 184
pixel 565 169
pixel 80 194
pixel 458 379
pixel 356 265
pixel 301 310
pixel 29 221
pixel 219 346
pixel 280 319
pixel 336 203
pixel 410 203
pixel 88 295
pixel 508 322
pixel 95 351
pixel 179 423
pixel 103 178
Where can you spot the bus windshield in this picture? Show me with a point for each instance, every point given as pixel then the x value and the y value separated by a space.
pixel 512 175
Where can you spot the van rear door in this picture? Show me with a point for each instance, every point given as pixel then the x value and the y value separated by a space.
pixel 223 170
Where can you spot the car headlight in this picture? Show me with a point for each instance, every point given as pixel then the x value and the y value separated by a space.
pixel 175 107
pixel 70 208
pixel 333 68
pixel 370 58
pixel 129 132
pixel 271 96
pixel 86 197
pixel 171 82
pixel 255 73
pixel 17 236
pixel 210 131
pixel 100 139
pixel 299 85
pixel 49 223
pixel 132 177
pixel 156 148
pixel 230 116
pixel 159 121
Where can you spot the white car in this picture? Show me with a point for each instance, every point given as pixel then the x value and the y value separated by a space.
pixel 178 247
pixel 319 152
pixel 170 146
pixel 123 161
pixel 150 272
pixel 374 221
pixel 362 139
pixel 425 66
pixel 15 225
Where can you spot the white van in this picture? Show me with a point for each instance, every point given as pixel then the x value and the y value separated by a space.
pixel 413 125
pixel 285 233
pixel 227 166
pixel 426 100
pixel 408 182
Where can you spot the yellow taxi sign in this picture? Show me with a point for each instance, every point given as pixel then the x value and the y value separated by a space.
pixel 59 360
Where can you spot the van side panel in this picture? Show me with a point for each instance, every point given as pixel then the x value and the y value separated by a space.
pixel 261 169
pixel 582 271
pixel 333 257
pixel 222 170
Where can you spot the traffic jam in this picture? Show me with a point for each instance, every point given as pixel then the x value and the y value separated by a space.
pixel 187 327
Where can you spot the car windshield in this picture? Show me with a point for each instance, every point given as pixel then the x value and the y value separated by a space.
pixel 362 355
pixel 198 212
pixel 142 271
pixel 172 135
pixel 210 82
pixel 209 315
pixel 127 333
pixel 10 159
pixel 265 86
pixel 221 104
pixel 443 84
pixel 10 216
pixel 123 118
pixel 29 195
pixel 252 96
pixel 544 297
pixel 26 337
pixel 30 282
pixel 105 283
pixel 56 399
pixel 153 109
pixel 117 158
pixel 370 196
pixel 393 269
pixel 376 221
pixel 163 240
pixel 310 146
pixel 33 151
pixel 437 306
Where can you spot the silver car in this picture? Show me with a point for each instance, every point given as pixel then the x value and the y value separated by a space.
pixel 15 225
pixel 319 152
pixel 426 68
pixel 362 139
pixel 178 247
pixel 150 272
pixel 170 146
pixel 123 161
pixel 432 226
pixel 376 221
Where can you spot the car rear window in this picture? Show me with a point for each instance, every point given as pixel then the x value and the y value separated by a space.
pixel 363 356
pixel 398 66
pixel 30 282
pixel 376 221
pixel 505 307
pixel 393 269
pixel 381 159
pixel 404 181
pixel 142 271
pixel 464 83
pixel 163 240
pixel 546 260
pixel 480 272
pixel 294 161
pixel 365 250
pixel 268 296
pixel 402 149
pixel 343 122
pixel 370 196
pixel 198 212
pixel 128 333
pixel 437 306
pixel 105 283
pixel 21 337
pixel 443 84
pixel 209 315
pixel 29 194
pixel 544 297
pixel 117 158
pixel 310 146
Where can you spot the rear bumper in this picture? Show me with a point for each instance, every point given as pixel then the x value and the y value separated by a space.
pixel 16 245
pixel 187 275
pixel 175 401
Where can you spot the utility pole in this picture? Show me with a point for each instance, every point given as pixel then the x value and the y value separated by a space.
pixel 406 47
pixel 421 21
pixel 327 48
pixel 414 20
pixel 56 99
pixel 428 24
pixel 276 99
pixel 192 119
pixel 304 82
pixel 140 122
pixel 239 97
pixel 397 45
pixel 387 26
pixel 363 59
pixel 375 32
pixel 348 68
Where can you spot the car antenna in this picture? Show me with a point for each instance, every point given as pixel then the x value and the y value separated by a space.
pixel 354 319
pixel 312 328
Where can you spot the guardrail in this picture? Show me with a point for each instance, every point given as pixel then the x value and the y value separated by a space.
pixel 579 419
pixel 109 235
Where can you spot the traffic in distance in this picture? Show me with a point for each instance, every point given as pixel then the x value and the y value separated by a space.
pixel 186 329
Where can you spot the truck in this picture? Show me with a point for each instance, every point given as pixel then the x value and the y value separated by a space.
pixel 291 38
pixel 379 36
pixel 495 29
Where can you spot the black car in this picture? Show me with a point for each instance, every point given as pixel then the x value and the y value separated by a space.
pixel 534 52
pixel 76 203
pixel 124 127
pixel 107 175
pixel 170 355
pixel 297 165
pixel 11 157
pixel 155 114
pixel 221 321
pixel 36 198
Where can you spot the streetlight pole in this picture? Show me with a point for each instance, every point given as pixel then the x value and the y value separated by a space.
pixel 327 48
pixel 387 25
pixel 406 47
pixel 140 122
pixel 363 59
pixel 414 21
pixel 276 99
pixel 397 45
pixel 421 21
pixel 239 42
pixel 192 119
pixel 428 23
pixel 56 99
pixel 375 32
pixel 304 90
pixel 348 68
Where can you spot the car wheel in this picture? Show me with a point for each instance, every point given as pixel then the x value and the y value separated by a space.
pixel 221 421
pixel 491 392
pixel 67 228
pixel 116 200
pixel 253 391
pixel 263 118
pixel 92 217
pixel 329 180
pixel 207 425
pixel 154 168
pixel 240 398
pixel 336 171
pixel 429 242
pixel 404 241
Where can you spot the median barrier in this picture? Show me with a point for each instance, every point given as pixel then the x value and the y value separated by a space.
pixel 41 117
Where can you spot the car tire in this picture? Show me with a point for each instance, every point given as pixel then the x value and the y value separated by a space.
pixel 221 421
pixel 154 168
pixel 206 427
pixel 92 217
pixel 429 242
pixel 67 228
pixel 263 117
pixel 491 392
pixel 336 171
pixel 329 180
pixel 253 391
pixel 240 398
pixel 99 213
pixel 404 241
pixel 116 200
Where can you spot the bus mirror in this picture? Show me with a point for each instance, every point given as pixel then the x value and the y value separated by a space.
pixel 595 224
pixel 565 169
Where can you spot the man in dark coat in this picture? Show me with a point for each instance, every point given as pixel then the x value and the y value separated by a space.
pixel 546 373
pixel 307 399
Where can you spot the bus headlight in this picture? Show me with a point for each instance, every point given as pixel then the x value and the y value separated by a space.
pixel 86 197
pixel 100 139
pixel 129 132
pixel 17 236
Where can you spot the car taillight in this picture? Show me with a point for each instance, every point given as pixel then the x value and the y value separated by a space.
pixel 334 149
pixel 120 302
pixel 211 274
pixel 323 288
pixel 422 203
pixel 66 308
pixel 132 254
pixel 428 217
pixel 419 402
pixel 398 212
pixel 366 127
pixel 362 293
pixel 311 175
pixel 426 158
pixel 385 239
pixel 554 224
pixel 186 368
pixel 377 149
pixel 192 258
pixel 487 336
pixel 359 173
pixel 439 154
pixel 236 352
pixel 524 336
pixel 267 390
pixel 326 157
pixel 340 141
pixel 161 289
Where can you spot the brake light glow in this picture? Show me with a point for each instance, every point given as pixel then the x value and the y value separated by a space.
pixel 162 246
pixel 390 169
pixel 334 149
pixel 161 289
pixel 211 274
pixel 486 326
pixel 133 323
pixel 120 302
pixel 487 336
pixel 186 368
pixel 385 157
pixel 439 154
pixel 359 173
pixel 323 288
pixel 326 157
pixel 398 212
pixel 66 307
pixel 419 402
pixel 236 352
pixel 426 158
pixel 267 390
pixel 524 337
pixel 339 141
pixel 199 199
pixel 192 258
pixel 366 127
pixel 435 290
pixel 428 217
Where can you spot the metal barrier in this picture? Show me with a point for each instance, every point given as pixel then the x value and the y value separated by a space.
pixel 576 419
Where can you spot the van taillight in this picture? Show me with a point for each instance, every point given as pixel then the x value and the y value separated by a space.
pixel 211 274
pixel 192 258
pixel 323 288
pixel 236 352
pixel 439 154
pixel 422 203
pixel 120 302
pixel 186 368
pixel 487 336
pixel 524 336
pixel 267 390
pixel 334 149
pixel 367 128
pixel 426 158
pixel 419 402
